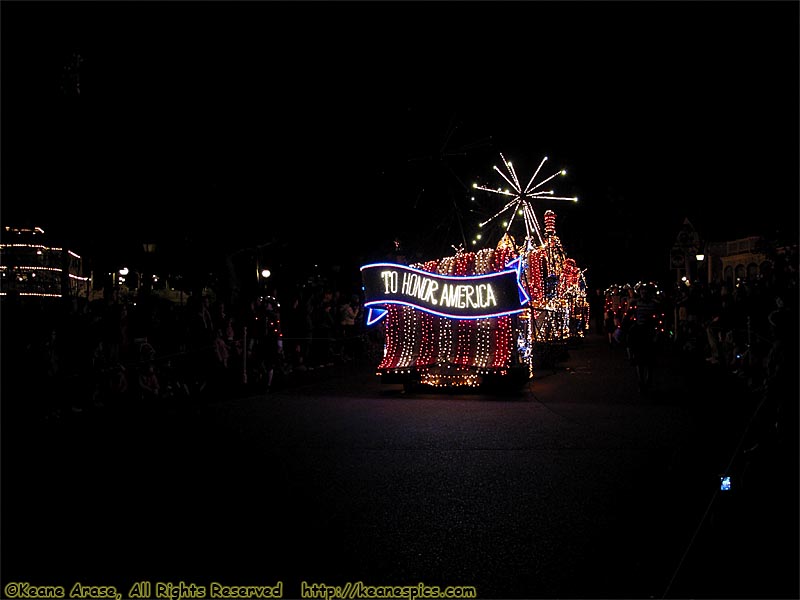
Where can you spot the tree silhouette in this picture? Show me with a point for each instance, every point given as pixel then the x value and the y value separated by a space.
pixel 434 171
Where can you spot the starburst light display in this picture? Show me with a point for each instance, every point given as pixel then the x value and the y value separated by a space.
pixel 521 202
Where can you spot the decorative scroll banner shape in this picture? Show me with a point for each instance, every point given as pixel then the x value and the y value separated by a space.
pixel 451 296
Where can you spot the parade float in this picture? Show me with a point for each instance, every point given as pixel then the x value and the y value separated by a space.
pixel 482 317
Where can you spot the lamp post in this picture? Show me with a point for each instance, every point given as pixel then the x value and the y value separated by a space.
pixel 700 257
pixel 263 274
pixel 149 249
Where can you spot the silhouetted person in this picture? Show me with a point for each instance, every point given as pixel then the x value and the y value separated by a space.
pixel 597 308
pixel 642 337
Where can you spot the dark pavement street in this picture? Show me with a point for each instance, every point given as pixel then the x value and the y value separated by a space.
pixel 576 487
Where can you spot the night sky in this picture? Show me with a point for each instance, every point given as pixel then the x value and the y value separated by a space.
pixel 331 129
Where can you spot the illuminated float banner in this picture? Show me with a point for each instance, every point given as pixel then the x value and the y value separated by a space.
pixel 456 297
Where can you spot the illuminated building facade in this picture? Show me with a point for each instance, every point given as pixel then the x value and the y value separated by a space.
pixel 29 266
pixel 736 260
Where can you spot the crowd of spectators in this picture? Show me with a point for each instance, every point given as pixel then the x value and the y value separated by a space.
pixel 67 357
pixel 75 356
pixel 747 329
pixel 736 343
